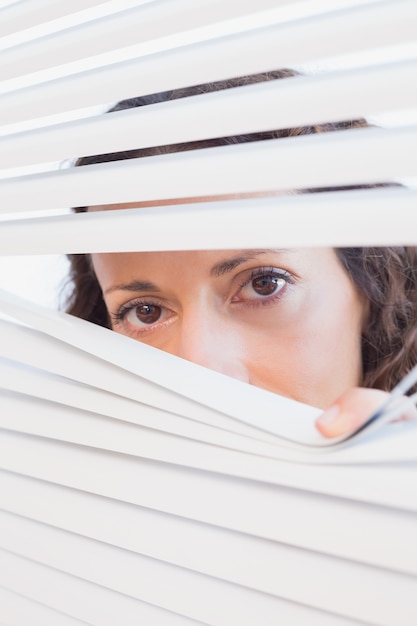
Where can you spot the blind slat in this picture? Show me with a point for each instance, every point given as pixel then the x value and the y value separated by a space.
pixel 264 49
pixel 144 440
pixel 30 19
pixel 27 14
pixel 152 27
pixel 345 218
pixel 135 388
pixel 359 531
pixel 290 575
pixel 215 533
pixel 17 610
pixel 48 394
pixel 96 605
pixel 166 484
pixel 202 402
pixel 329 159
pixel 333 97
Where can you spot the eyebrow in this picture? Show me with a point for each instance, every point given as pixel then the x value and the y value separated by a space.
pixel 228 265
pixel 221 268
pixel 135 285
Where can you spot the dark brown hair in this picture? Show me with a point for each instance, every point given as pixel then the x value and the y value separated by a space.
pixel 387 277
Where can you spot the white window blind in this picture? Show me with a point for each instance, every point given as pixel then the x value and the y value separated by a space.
pixel 127 494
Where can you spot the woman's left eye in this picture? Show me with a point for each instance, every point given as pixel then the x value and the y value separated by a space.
pixel 263 285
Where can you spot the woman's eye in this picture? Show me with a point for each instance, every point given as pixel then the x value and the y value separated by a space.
pixel 144 314
pixel 263 285
pixel 267 285
pixel 141 316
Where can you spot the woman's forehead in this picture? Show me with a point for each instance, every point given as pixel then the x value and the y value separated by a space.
pixel 215 264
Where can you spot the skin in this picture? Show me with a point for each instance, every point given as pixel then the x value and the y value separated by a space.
pixel 288 321
pixel 304 345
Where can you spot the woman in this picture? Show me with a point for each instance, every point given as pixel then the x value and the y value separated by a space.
pixel 312 325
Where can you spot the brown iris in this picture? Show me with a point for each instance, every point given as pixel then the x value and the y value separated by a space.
pixel 148 313
pixel 266 285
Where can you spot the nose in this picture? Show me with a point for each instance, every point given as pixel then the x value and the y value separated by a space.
pixel 210 341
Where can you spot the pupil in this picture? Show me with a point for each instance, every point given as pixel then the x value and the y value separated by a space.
pixel 148 313
pixel 265 285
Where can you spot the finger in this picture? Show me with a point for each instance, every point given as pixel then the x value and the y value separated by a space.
pixel 350 411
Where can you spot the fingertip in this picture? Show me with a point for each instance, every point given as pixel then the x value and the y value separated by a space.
pixel 350 411
pixel 333 422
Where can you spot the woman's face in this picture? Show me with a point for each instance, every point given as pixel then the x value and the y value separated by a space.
pixel 288 321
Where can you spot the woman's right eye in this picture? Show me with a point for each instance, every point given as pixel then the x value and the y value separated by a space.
pixel 144 314
pixel 141 316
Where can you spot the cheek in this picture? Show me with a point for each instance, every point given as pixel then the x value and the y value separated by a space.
pixel 284 361
pixel 311 351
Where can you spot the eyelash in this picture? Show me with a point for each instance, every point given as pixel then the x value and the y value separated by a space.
pixel 119 317
pixel 267 271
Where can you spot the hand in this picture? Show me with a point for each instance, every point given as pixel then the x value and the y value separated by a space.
pixel 353 408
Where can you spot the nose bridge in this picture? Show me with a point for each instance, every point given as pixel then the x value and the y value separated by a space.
pixel 207 337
